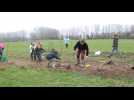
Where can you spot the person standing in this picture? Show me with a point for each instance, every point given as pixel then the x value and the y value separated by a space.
pixel 115 43
pixel 0 53
pixel 66 41
pixel 32 51
pixel 38 51
pixel 2 47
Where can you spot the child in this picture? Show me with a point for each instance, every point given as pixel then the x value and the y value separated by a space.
pixel 32 51
pixel 53 58
pixel 82 50
pixel 38 51
pixel 53 54
pixel 66 41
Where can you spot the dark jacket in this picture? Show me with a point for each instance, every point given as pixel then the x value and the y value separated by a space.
pixel 52 55
pixel 39 51
pixel 115 42
pixel 82 47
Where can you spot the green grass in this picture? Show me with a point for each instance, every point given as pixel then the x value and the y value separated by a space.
pixel 14 76
pixel 126 46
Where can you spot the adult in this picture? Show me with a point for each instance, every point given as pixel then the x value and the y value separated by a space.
pixel 115 43
pixel 82 50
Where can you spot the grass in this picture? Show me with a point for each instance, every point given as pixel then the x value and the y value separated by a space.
pixel 125 46
pixel 14 76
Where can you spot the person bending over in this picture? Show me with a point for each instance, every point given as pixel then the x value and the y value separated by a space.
pixel 82 50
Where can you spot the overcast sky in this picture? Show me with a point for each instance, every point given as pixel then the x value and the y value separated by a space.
pixel 14 21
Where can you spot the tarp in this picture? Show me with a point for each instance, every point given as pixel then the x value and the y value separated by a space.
pixel 2 45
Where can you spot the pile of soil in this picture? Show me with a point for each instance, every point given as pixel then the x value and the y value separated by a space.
pixel 95 68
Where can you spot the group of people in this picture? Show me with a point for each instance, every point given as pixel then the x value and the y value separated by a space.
pixel 81 50
pixel 35 51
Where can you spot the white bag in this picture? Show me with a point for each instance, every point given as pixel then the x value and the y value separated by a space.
pixel 97 53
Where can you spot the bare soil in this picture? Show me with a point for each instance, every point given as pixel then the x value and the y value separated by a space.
pixel 95 68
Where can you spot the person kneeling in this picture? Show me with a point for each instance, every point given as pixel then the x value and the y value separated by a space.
pixel 53 58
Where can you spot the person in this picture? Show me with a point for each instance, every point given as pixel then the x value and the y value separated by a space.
pixel 0 53
pixel 82 50
pixel 2 47
pixel 38 50
pixel 115 43
pixel 66 41
pixel 32 51
pixel 53 54
pixel 53 58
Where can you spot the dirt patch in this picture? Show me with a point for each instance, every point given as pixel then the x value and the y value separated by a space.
pixel 107 70
pixel 96 68
pixel 4 65
pixel 23 63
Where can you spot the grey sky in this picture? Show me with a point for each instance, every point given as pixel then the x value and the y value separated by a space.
pixel 14 21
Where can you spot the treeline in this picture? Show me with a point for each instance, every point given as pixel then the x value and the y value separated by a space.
pixel 102 31
pixel 45 33
pixel 13 36
pixel 40 33
pixel 122 35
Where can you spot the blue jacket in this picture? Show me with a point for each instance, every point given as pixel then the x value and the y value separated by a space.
pixel 66 40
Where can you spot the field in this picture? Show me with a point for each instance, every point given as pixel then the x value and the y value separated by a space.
pixel 22 72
